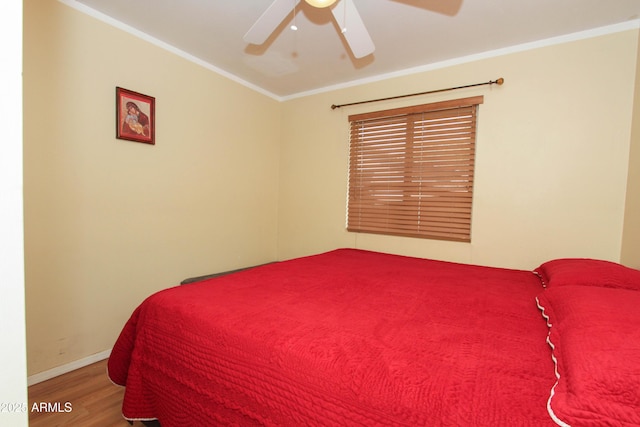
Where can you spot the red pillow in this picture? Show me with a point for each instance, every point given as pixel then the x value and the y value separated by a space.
pixel 588 272
pixel 594 333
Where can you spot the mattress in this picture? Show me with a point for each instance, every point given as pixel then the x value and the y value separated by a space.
pixel 346 337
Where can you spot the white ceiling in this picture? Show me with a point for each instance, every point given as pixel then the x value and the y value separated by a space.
pixel 408 34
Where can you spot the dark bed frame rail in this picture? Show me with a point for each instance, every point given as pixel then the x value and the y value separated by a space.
pixel 152 423
pixel 211 276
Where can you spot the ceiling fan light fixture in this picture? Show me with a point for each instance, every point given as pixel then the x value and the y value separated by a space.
pixel 320 3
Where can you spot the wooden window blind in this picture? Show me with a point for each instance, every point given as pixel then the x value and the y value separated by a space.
pixel 411 170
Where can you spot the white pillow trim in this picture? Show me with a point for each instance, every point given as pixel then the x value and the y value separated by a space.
pixel 555 363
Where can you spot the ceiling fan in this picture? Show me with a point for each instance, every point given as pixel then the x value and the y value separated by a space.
pixel 346 16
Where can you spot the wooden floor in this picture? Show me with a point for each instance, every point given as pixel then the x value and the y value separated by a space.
pixel 93 400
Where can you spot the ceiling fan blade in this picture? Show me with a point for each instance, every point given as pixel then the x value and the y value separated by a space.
pixel 356 34
pixel 269 21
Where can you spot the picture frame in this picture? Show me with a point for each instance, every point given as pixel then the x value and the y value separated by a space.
pixel 135 116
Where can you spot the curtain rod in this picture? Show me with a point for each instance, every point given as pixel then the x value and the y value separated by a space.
pixel 490 82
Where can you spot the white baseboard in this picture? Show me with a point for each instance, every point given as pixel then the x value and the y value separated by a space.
pixel 81 363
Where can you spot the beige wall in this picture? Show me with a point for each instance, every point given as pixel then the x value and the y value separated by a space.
pixel 110 221
pixel 631 237
pixel 552 156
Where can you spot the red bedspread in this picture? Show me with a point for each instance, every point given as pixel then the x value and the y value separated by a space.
pixel 344 338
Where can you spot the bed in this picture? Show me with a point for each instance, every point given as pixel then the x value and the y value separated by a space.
pixel 354 337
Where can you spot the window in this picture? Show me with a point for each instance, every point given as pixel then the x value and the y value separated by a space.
pixel 411 170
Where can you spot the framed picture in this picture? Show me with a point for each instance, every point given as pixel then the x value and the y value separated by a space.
pixel 135 116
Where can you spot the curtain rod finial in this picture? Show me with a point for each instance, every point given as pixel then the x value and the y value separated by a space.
pixel 334 106
pixel 499 81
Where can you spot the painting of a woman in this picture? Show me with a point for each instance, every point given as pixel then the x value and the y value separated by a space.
pixel 135 122
pixel 135 116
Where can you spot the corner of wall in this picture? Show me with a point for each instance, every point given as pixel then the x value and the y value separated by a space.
pixel 630 248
